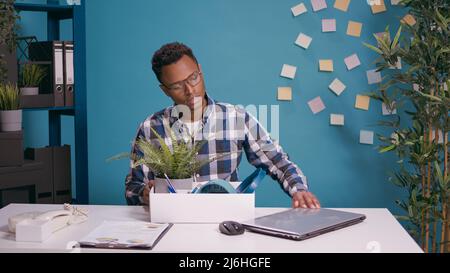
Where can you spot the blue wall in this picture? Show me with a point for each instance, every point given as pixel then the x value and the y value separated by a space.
pixel 241 46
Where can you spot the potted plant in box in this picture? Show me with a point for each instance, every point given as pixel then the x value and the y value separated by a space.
pixel 179 162
pixel 31 76
pixel 10 114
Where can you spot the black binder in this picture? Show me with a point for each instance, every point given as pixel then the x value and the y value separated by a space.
pixel 53 83
pixel 69 76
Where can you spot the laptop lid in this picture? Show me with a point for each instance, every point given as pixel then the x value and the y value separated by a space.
pixel 301 224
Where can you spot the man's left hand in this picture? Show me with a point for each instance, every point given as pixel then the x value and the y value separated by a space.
pixel 305 199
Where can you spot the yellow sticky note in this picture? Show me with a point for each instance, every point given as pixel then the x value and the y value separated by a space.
pixel 409 19
pixel 284 93
pixel 362 102
pixel 378 6
pixel 341 5
pixel 326 65
pixel 354 29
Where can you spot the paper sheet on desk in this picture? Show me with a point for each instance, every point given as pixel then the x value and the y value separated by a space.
pixel 125 234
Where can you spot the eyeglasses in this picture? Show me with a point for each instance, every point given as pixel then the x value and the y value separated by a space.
pixel 180 86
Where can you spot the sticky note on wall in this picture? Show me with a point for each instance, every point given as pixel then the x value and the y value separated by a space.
pixel 378 6
pixel 373 76
pixel 354 29
pixel 337 86
pixel 303 40
pixel 352 61
pixel 316 105
pixel 284 93
pixel 318 5
pixel 337 119
pixel 386 111
pixel 362 102
pixel 326 65
pixel 409 19
pixel 341 5
pixel 328 25
pixel 395 2
pixel 299 9
pixel 288 71
pixel 366 137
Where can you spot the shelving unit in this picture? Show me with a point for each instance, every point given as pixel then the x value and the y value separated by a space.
pixel 56 13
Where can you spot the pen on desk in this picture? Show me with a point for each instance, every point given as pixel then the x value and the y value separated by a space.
pixel 169 185
pixel 195 189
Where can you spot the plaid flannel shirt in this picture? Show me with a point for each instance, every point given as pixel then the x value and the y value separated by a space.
pixel 227 129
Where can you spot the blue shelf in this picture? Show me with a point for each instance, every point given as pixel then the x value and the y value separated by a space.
pixel 49 109
pixel 58 11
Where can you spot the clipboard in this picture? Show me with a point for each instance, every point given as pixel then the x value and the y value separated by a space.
pixel 125 235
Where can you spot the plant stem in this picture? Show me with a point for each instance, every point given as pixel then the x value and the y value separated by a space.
pixel 422 223
pixel 445 227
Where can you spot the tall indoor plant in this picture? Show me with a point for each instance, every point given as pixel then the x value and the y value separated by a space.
pixel 8 36
pixel 421 140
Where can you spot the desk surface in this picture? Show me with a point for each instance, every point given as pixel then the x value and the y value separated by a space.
pixel 380 232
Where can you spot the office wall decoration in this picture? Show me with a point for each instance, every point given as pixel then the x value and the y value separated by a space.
pixel 425 52
pixel 420 143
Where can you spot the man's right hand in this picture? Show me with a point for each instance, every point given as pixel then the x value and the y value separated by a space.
pixel 146 191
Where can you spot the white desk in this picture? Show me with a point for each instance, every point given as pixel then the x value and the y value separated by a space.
pixel 380 232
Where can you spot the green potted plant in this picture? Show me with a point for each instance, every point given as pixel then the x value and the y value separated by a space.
pixel 420 141
pixel 31 76
pixel 179 162
pixel 10 114
pixel 8 37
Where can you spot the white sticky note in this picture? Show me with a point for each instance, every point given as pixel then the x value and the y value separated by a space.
pixel 328 25
pixel 440 136
pixel 352 61
pixel 337 119
pixel 398 64
pixel 373 76
pixel 337 86
pixel 391 111
pixel 316 105
pixel 303 40
pixel 366 137
pixel 318 5
pixel 299 9
pixel 395 2
pixel 284 93
pixel 288 71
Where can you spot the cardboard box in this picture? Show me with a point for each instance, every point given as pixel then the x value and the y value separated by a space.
pixel 201 208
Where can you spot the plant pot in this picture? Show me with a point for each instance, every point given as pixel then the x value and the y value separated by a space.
pixel 180 185
pixel 11 120
pixel 29 91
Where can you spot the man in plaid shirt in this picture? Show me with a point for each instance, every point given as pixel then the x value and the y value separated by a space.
pixel 228 130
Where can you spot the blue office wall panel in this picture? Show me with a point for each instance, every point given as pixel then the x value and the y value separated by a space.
pixel 241 46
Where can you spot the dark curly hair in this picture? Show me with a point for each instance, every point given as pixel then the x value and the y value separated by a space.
pixel 169 54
